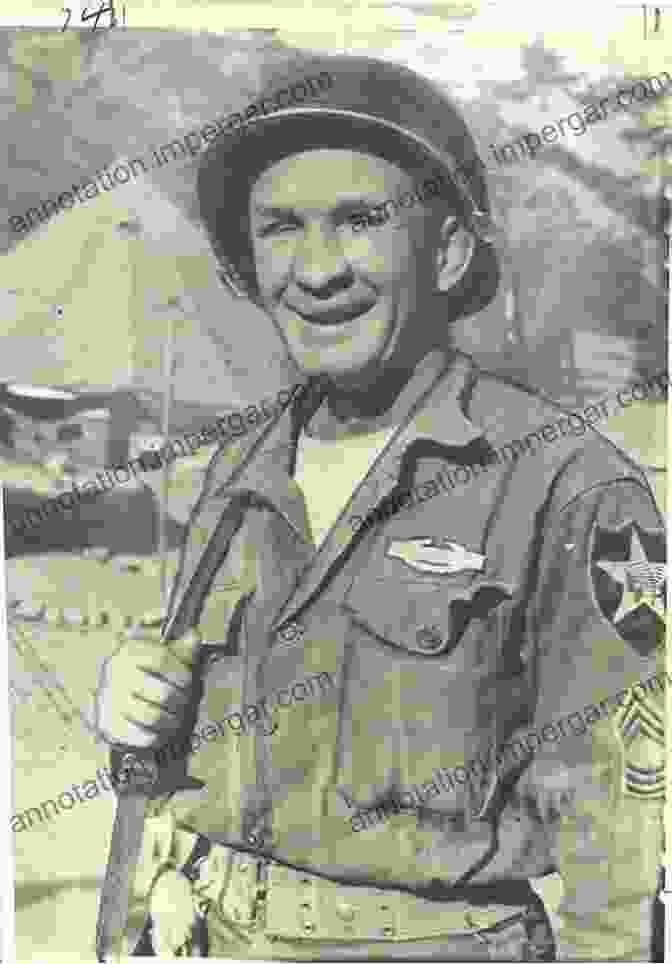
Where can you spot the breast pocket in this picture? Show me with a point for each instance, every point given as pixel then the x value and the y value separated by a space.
pixel 420 679
pixel 424 613
pixel 422 673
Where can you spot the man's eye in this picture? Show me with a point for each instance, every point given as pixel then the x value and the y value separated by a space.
pixel 367 218
pixel 277 227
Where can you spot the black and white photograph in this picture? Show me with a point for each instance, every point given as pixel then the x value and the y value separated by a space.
pixel 344 334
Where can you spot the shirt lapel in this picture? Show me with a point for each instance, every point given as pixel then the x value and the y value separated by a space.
pixel 255 466
pixel 263 471
pixel 436 415
pixel 259 466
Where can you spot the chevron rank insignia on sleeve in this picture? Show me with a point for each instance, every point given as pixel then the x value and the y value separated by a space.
pixel 642 728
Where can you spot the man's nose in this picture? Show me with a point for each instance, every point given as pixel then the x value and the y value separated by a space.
pixel 320 264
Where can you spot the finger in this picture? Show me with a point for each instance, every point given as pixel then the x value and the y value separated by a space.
pixel 168 670
pixel 144 713
pixel 131 733
pixel 122 729
pixel 160 692
pixel 172 659
pixel 186 647
pixel 142 656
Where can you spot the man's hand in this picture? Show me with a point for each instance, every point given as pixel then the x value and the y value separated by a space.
pixel 146 686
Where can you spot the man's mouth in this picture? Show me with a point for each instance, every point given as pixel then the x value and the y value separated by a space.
pixel 335 315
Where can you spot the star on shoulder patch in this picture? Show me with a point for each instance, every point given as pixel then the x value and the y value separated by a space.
pixel 628 575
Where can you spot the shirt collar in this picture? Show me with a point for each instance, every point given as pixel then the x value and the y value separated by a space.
pixel 433 405
pixel 434 367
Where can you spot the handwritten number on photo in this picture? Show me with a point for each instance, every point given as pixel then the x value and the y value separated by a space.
pixel 98 13
pixel 657 14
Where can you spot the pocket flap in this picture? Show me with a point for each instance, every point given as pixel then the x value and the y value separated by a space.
pixel 423 612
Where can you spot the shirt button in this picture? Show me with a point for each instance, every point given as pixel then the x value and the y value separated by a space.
pixel 428 637
pixel 345 911
pixel 290 632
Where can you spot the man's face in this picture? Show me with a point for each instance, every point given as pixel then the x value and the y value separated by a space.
pixel 340 291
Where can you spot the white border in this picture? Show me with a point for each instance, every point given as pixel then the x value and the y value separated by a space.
pixel 6 848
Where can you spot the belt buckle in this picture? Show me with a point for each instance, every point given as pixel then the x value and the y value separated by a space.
pixel 259 894
pixel 230 886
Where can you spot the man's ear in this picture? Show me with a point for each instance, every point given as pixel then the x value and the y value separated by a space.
pixel 455 252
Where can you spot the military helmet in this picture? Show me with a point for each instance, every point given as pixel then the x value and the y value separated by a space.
pixel 345 102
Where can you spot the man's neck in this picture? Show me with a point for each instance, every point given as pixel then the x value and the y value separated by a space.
pixel 383 403
pixel 368 400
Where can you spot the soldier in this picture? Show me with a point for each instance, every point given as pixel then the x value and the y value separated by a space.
pixel 482 610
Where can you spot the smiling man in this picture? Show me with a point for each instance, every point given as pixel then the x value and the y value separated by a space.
pixel 467 623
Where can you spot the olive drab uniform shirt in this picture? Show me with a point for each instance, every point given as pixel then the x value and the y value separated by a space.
pixel 516 591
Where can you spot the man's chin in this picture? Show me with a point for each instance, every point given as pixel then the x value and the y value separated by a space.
pixel 337 351
pixel 338 368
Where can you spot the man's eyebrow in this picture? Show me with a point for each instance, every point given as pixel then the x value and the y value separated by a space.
pixel 342 208
pixel 267 211
pixel 353 205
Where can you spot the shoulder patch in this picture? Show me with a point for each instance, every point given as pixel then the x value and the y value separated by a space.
pixel 628 579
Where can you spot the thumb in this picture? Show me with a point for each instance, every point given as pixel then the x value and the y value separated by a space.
pixel 186 647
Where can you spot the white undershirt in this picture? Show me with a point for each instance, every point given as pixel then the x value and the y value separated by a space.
pixel 329 471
